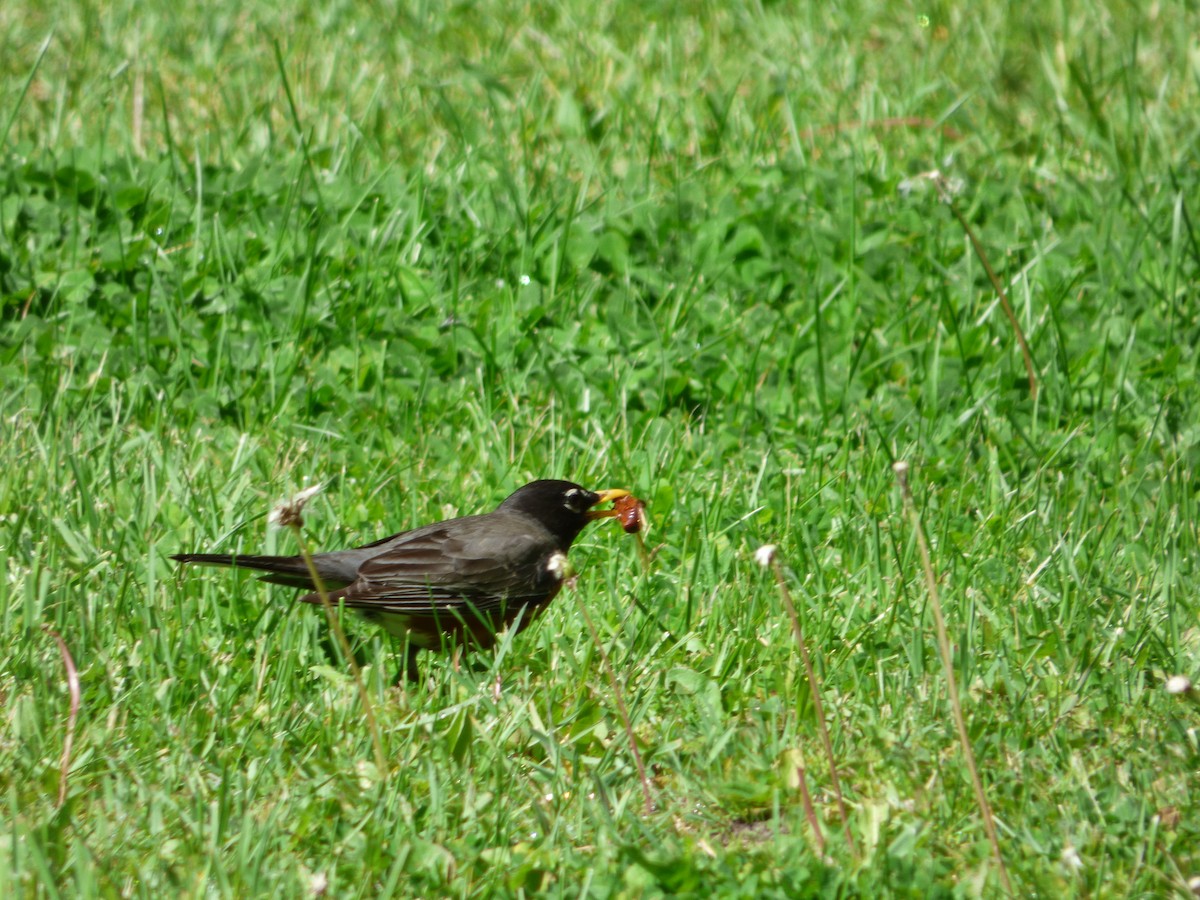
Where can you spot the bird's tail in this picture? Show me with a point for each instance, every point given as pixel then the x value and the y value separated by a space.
pixel 285 570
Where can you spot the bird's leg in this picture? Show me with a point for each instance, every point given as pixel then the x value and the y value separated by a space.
pixel 334 652
pixel 410 670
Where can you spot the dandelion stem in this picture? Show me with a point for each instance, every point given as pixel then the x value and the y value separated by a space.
pixel 72 716
pixel 1026 356
pixel 943 641
pixel 815 689
pixel 336 627
pixel 809 813
pixel 647 796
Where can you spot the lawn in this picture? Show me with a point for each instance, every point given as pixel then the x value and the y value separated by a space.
pixel 422 253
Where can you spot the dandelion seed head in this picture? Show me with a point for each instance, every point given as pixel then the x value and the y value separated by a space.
pixel 1070 858
pixel 289 513
pixel 1179 684
pixel 765 555
pixel 558 566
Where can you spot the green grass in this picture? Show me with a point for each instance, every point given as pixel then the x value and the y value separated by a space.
pixel 423 253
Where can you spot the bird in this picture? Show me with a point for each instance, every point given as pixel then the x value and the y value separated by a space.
pixel 453 583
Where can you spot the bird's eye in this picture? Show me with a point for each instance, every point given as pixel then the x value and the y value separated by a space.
pixel 576 501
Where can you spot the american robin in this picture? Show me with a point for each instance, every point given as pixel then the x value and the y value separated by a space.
pixel 452 583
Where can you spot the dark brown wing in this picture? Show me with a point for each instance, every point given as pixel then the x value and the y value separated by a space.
pixel 482 563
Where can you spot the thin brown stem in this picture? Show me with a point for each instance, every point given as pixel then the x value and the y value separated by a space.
pixel 809 813
pixel 887 124
pixel 815 688
pixel 336 627
pixel 72 688
pixel 643 552
pixel 996 286
pixel 943 639
pixel 647 795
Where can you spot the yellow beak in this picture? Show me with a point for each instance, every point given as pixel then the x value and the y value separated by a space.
pixel 607 496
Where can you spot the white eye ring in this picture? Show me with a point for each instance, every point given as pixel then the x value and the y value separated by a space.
pixel 574 501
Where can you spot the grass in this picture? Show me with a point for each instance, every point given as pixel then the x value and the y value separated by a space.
pixel 424 253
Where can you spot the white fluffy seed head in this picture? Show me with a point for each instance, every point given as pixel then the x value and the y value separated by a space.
pixel 765 555
pixel 291 512
pixel 1179 684
pixel 1070 858
pixel 558 566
